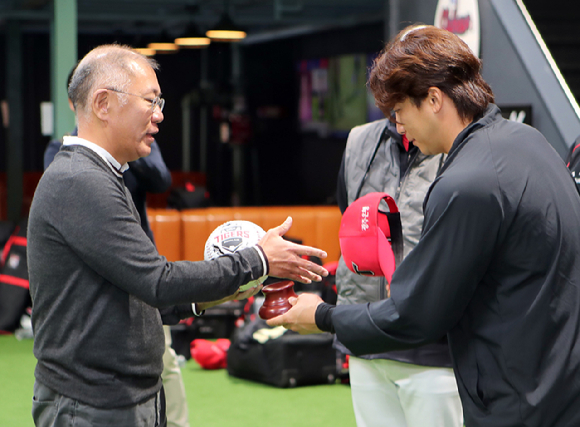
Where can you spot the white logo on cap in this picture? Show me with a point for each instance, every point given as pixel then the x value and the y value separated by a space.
pixel 364 225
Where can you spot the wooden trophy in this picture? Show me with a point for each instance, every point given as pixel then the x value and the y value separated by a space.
pixel 276 299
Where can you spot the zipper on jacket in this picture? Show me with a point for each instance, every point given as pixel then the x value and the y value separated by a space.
pixel 404 177
pixel 383 288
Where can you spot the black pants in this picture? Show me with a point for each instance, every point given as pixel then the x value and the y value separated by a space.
pixel 51 409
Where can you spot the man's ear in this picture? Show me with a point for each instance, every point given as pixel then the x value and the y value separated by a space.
pixel 435 99
pixel 101 103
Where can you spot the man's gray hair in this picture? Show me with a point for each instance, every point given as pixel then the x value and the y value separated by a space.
pixel 107 67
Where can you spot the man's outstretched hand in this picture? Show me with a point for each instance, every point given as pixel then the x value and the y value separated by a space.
pixel 285 258
pixel 300 318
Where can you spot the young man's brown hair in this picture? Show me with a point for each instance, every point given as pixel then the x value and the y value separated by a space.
pixel 423 56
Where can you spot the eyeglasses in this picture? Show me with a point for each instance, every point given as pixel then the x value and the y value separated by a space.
pixel 155 102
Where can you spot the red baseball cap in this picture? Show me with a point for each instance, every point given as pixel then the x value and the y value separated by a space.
pixel 365 236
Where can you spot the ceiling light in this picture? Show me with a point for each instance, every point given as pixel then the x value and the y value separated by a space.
pixel 145 51
pixel 164 44
pixel 163 47
pixel 226 31
pixel 192 38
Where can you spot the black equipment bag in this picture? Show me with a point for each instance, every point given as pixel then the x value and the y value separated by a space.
pixel 287 361
pixel 187 197
pixel 217 322
pixel 6 230
pixel 14 287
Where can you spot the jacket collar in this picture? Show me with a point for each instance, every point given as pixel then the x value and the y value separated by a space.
pixel 492 114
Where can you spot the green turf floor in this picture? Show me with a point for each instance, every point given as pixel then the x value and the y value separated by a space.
pixel 214 398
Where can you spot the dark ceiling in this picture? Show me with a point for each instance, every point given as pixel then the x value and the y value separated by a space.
pixel 265 20
pixel 261 18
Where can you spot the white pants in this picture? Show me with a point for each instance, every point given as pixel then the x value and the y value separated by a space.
pixel 394 394
pixel 175 401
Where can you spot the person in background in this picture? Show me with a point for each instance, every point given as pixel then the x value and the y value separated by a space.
pixel 54 145
pixel 405 388
pixel 99 288
pixel 497 267
pixel 147 175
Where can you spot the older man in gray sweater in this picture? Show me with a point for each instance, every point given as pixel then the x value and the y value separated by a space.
pixel 96 280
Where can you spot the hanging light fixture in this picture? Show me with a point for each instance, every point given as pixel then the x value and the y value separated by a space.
pixel 192 38
pixel 145 51
pixel 225 30
pixel 164 45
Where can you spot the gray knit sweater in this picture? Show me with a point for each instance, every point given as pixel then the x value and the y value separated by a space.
pixel 97 281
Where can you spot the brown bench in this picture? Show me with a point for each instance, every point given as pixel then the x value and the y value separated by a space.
pixel 181 235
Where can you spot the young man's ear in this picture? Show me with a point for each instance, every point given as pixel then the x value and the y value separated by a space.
pixel 435 99
pixel 100 103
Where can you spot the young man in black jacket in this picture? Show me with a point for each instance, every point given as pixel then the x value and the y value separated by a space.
pixel 497 267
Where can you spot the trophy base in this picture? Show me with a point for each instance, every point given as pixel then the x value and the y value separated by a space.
pixel 276 299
